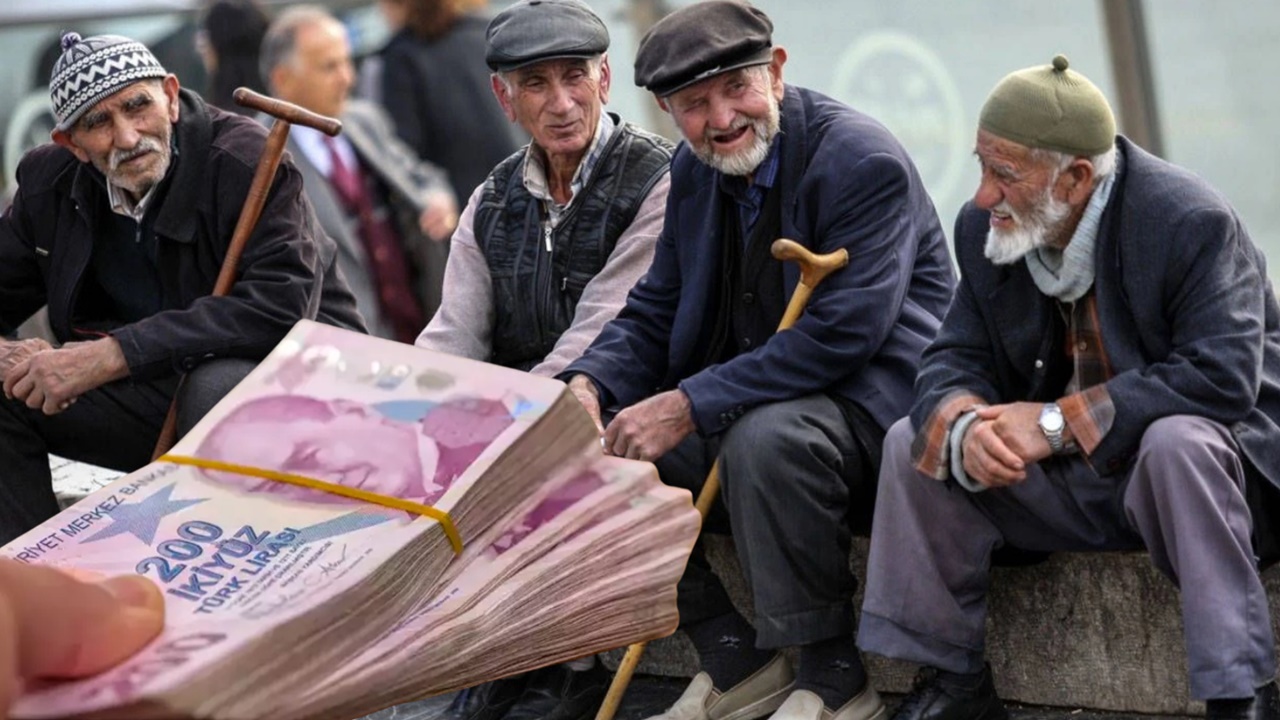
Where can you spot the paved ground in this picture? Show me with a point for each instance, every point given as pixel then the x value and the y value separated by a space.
pixel 649 696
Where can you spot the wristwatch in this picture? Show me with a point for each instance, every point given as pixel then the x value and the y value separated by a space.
pixel 1052 424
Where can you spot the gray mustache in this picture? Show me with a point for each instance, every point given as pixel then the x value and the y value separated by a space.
pixel 145 145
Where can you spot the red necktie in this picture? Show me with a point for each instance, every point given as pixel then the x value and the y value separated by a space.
pixel 388 264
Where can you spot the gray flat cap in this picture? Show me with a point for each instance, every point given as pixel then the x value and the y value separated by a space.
pixel 531 31
pixel 700 41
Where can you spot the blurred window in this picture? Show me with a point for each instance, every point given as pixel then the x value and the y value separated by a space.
pixel 1214 66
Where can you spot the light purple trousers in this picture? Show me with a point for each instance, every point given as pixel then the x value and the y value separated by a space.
pixel 1183 500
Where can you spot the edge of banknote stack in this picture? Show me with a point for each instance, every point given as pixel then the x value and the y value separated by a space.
pixel 289 602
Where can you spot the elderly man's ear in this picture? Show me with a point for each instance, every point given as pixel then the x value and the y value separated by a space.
pixel 1079 176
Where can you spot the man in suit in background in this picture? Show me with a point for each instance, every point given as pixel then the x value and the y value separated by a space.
pixel 390 213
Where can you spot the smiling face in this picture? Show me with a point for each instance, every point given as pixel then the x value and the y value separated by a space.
pixel 1029 197
pixel 730 119
pixel 126 136
pixel 558 102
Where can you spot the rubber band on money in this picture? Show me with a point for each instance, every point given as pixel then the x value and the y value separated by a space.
pixel 440 516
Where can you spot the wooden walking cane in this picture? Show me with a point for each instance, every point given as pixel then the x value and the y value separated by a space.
pixel 285 114
pixel 813 269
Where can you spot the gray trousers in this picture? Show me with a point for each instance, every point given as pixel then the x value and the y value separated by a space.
pixel 792 477
pixel 115 426
pixel 1183 500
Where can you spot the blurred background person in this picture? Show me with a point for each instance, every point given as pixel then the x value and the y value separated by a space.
pixel 435 85
pixel 229 39
pixel 390 214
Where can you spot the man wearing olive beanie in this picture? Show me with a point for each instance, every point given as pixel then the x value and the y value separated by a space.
pixel 1108 378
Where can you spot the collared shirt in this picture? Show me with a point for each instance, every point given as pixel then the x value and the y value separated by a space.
pixel 749 196
pixel 314 145
pixel 122 202
pixel 535 170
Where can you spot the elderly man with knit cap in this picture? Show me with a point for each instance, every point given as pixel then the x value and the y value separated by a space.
pixel 1108 378
pixel 120 226
pixel 695 372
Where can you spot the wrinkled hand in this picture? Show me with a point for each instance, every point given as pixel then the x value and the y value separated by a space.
pixel 55 626
pixel 647 430
pixel 987 459
pixel 13 352
pixel 1018 426
pixel 585 390
pixel 52 379
pixel 440 218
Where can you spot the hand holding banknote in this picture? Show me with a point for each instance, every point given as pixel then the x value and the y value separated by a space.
pixel 55 626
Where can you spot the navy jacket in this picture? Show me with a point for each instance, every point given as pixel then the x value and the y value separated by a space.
pixel 1189 321
pixel 846 182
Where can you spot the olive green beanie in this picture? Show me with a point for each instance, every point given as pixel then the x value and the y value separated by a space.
pixel 1050 107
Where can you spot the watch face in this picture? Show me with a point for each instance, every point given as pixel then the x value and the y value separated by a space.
pixel 1051 420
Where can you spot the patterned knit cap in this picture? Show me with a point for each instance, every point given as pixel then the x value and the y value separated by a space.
pixel 91 69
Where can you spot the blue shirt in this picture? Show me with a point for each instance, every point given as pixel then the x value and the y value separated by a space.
pixel 749 196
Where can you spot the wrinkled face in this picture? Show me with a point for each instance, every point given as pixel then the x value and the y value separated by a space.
pixel 558 102
pixel 729 120
pixel 126 136
pixel 336 441
pixel 1019 191
pixel 319 74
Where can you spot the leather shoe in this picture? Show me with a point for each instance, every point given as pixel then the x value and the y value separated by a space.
pixel 755 697
pixel 936 695
pixel 559 693
pixel 807 705
pixel 1264 705
pixel 489 701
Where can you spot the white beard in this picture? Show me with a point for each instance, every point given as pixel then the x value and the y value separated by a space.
pixel 745 161
pixel 1030 232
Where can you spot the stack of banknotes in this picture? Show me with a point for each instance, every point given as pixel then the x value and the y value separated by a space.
pixel 495 538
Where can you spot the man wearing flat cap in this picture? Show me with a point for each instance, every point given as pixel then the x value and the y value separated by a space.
pixel 120 226
pixel 797 418
pixel 547 249
pixel 1108 378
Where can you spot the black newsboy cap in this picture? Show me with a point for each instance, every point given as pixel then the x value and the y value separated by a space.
pixel 702 40
pixel 531 31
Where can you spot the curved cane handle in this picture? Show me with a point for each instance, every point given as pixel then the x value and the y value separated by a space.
pixel 286 111
pixel 813 267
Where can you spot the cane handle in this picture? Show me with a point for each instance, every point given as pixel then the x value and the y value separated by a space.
pixel 286 111
pixel 813 267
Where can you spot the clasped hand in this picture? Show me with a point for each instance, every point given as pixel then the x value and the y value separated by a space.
pixel 644 431
pixel 50 379
pixel 1000 444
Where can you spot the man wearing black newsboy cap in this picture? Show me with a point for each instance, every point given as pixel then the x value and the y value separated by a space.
pixel 796 418
pixel 547 250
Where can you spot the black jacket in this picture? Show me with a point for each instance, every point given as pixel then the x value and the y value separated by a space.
pixel 439 95
pixel 286 273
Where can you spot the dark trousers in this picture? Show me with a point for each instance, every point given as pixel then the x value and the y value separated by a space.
pixel 115 426
pixel 794 475
pixel 1183 500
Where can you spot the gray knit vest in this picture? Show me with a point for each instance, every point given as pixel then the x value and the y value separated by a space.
pixel 535 293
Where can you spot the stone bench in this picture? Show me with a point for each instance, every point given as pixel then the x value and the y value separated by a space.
pixel 1101 631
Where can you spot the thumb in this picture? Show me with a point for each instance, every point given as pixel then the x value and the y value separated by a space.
pixel 69 628
pixel 990 412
